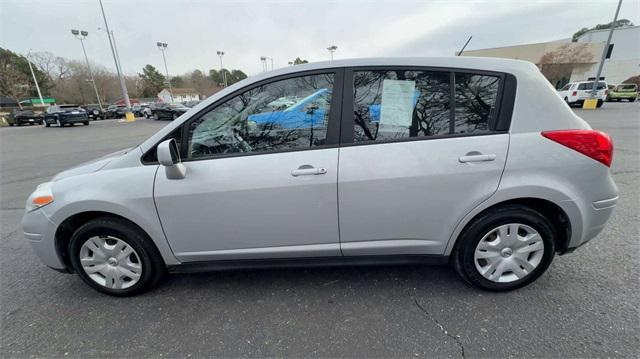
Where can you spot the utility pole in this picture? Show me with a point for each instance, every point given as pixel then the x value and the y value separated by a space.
pixel 81 35
pixel 263 60
pixel 123 86
pixel 224 74
pixel 163 46
pixel 34 79
pixel 604 52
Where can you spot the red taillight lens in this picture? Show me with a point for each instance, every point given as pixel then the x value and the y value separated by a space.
pixel 575 93
pixel 594 144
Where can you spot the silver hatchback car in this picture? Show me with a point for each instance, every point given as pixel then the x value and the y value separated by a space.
pixel 471 161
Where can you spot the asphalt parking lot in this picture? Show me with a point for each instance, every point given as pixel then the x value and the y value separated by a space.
pixel 586 305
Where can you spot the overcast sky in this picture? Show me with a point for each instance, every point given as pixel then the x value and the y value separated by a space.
pixel 246 30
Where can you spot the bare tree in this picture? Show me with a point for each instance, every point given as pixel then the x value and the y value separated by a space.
pixel 557 65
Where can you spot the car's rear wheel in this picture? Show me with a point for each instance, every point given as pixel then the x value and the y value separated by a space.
pixel 632 99
pixel 86 123
pixel 505 248
pixel 115 257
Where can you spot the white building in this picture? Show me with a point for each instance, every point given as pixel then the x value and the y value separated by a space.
pixel 562 61
pixel 178 95
pixel 624 59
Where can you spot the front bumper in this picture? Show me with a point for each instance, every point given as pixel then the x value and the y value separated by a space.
pixel 40 231
pixel 28 120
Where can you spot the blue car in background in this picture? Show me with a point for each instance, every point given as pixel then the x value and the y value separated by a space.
pixel 307 113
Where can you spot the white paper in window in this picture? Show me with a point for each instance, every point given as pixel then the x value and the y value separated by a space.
pixel 397 103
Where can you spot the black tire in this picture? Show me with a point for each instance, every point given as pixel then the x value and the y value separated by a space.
pixel 600 102
pixel 47 124
pixel 86 123
pixel 12 124
pixel 632 99
pixel 153 267
pixel 462 258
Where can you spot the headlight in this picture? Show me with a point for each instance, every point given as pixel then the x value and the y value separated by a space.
pixel 41 197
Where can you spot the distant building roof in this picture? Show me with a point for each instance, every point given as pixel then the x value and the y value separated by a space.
pixel 182 91
pixel 559 51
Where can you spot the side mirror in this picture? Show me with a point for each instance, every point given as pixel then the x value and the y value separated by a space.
pixel 169 157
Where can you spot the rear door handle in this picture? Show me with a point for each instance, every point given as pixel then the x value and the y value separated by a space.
pixel 307 170
pixel 477 158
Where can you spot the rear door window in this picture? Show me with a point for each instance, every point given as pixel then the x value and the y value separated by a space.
pixel 398 104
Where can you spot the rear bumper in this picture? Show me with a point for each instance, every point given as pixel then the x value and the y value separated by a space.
pixel 595 219
pixel 581 101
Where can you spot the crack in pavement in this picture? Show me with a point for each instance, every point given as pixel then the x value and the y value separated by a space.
pixel 442 328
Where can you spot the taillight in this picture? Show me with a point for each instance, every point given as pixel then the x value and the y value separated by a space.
pixel 591 143
pixel 574 93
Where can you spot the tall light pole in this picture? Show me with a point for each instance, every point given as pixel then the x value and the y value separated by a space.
pixel 123 86
pixel 163 47
pixel 81 35
pixel 263 60
pixel 332 49
pixel 605 51
pixel 34 80
pixel 115 45
pixel 224 75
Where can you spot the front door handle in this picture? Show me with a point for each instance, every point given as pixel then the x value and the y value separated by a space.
pixel 308 170
pixel 469 157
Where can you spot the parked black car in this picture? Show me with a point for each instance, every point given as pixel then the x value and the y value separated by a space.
pixel 119 111
pixel 62 115
pixel 169 111
pixel 20 117
pixel 95 112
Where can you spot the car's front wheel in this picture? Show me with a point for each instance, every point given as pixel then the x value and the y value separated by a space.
pixel 505 248
pixel 115 257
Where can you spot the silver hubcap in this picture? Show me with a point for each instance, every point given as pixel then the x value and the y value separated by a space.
pixel 58 123
pixel 110 262
pixel 509 253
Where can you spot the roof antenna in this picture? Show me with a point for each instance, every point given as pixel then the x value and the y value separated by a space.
pixel 465 45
